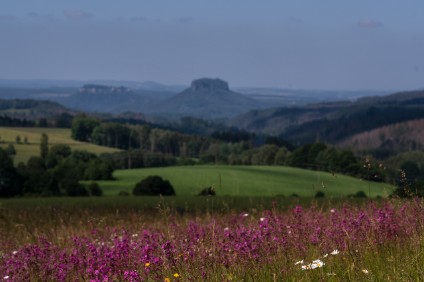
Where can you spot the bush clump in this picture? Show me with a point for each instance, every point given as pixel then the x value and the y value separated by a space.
pixel 208 191
pixel 359 194
pixel 95 189
pixel 320 194
pixel 123 193
pixel 72 188
pixel 153 185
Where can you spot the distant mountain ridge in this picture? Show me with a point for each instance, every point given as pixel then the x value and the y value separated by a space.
pixel 154 98
pixel 48 83
pixel 111 99
pixel 393 122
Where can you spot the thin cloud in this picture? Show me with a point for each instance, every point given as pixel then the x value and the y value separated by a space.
pixel 76 15
pixel 7 17
pixel 138 19
pixel 185 20
pixel 35 15
pixel 369 23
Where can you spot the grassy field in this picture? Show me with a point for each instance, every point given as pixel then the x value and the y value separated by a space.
pixel 33 135
pixel 153 205
pixel 250 181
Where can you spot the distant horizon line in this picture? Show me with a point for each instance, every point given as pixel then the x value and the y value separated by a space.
pixel 83 81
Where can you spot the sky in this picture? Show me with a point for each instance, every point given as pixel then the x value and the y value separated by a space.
pixel 297 44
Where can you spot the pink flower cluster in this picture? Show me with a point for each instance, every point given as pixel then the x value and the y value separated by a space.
pixel 227 240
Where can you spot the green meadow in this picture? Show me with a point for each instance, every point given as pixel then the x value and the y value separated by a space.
pixel 33 135
pixel 247 181
pixel 238 181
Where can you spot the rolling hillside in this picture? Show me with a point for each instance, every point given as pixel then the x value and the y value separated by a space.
pixel 32 148
pixel 247 181
pixel 30 108
pixel 335 122
pixel 407 135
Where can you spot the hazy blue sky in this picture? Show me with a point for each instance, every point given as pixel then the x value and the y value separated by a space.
pixel 321 44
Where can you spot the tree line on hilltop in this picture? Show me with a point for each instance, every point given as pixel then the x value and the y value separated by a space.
pixel 56 172
pixel 58 169
pixel 146 146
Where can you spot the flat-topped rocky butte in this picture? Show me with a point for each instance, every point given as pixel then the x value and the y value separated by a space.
pixel 209 84
pixel 207 98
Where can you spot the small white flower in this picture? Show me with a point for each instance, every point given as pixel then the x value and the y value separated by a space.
pixel 365 271
pixel 134 235
pixel 305 267
pixel 262 219
pixel 298 262
pixel 333 210
pixel 317 263
pixel 226 229
pixel 14 252
pixel 245 214
pixel 335 252
pixel 6 277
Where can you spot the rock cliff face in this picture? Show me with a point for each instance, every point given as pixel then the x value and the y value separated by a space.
pixel 101 89
pixel 208 84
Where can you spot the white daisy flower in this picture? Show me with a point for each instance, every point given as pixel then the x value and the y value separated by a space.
pixel 335 252
pixel 317 263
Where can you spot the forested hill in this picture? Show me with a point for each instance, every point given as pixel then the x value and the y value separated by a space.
pixel 334 122
pixel 30 104
pixel 28 112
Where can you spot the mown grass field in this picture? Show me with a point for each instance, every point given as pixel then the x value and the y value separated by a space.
pixel 247 181
pixel 33 135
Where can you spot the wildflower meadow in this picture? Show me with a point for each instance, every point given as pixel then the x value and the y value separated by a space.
pixel 368 241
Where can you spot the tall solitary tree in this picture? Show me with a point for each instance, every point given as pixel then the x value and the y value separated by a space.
pixel 44 146
pixel 10 184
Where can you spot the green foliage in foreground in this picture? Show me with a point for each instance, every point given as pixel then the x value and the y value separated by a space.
pixel 249 181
